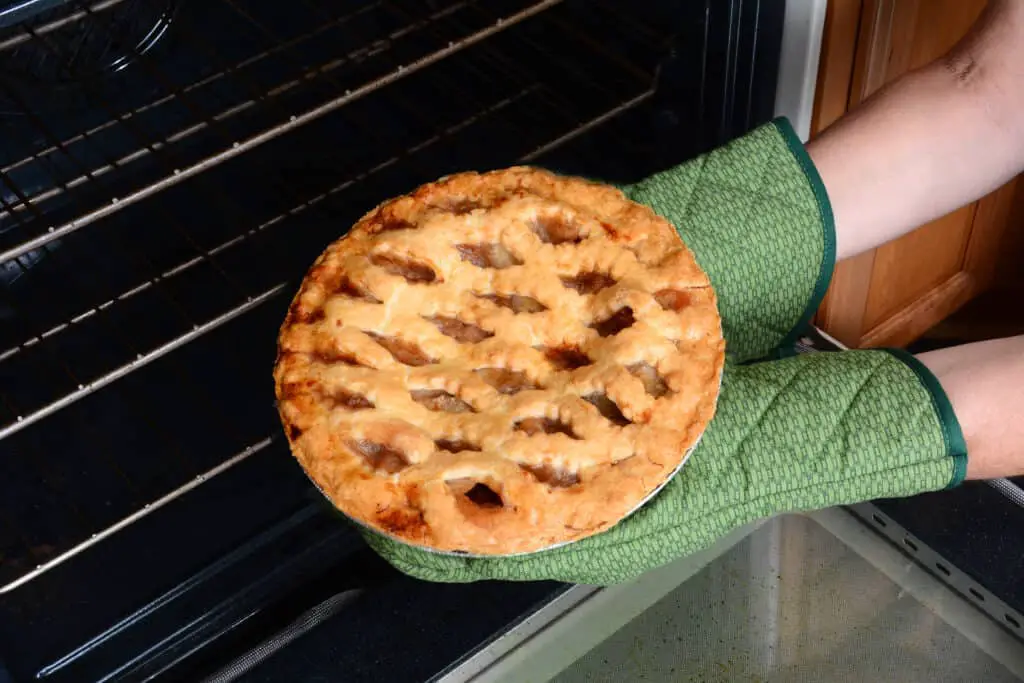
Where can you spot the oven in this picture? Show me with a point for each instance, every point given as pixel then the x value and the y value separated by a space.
pixel 168 171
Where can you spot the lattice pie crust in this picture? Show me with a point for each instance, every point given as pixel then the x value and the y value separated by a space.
pixel 499 362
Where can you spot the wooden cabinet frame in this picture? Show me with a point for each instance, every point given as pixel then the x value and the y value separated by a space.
pixel 866 44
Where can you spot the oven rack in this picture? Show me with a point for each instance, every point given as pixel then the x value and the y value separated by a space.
pixel 629 87
pixel 25 201
pixel 17 257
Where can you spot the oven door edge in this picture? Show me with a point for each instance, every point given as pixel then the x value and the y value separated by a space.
pixel 804 24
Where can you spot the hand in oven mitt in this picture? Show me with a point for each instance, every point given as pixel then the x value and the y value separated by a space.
pixel 794 433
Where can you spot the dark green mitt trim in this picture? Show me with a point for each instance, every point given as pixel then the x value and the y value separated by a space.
pixel 952 434
pixel 828 226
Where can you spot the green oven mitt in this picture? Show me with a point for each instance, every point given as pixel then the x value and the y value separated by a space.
pixel 799 433
pixel 803 433
pixel 755 214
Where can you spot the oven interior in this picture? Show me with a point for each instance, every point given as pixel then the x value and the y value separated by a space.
pixel 168 171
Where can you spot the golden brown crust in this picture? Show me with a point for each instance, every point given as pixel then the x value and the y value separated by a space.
pixel 499 362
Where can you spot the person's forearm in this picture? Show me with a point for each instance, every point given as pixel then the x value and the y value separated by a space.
pixel 932 141
pixel 985 383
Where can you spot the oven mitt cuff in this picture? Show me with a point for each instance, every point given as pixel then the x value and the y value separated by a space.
pixel 803 433
pixel 757 218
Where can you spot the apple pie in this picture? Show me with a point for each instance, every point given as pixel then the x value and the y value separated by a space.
pixel 499 363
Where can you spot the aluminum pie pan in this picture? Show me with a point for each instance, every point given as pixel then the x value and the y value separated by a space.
pixel 463 554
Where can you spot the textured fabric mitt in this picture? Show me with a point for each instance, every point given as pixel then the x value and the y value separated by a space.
pixel 756 217
pixel 799 433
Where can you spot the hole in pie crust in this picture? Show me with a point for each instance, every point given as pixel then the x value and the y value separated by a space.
pixel 490 255
pixel 441 401
pixel 545 425
pixel 552 476
pixel 477 493
pixel 412 271
pixel 507 381
pixel 556 229
pixel 402 351
pixel 350 400
pixel 654 384
pixel 400 520
pixel 616 323
pixel 303 315
pixel 566 357
pixel 455 445
pixel 460 331
pixel 484 496
pixel 380 457
pixel 291 390
pixel 348 288
pixel 588 283
pixel 672 299
pixel 517 302
pixel 608 409
pixel 333 357
pixel 391 224
pixel 460 205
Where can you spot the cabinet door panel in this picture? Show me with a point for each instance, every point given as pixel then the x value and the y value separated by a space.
pixel 915 264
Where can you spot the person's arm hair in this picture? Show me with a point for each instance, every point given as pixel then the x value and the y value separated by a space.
pixel 931 141
pixel 985 383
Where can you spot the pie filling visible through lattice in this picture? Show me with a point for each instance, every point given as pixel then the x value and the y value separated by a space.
pixel 499 362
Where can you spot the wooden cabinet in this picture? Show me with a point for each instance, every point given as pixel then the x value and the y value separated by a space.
pixel 892 295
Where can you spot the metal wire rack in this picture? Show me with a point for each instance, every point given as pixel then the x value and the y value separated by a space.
pixel 156 208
